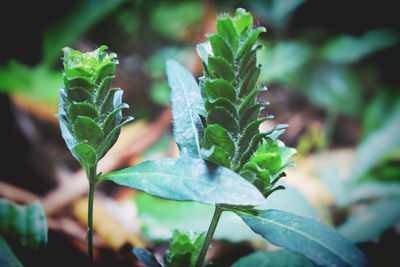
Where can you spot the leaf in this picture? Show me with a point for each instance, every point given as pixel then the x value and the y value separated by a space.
pixel 184 249
pixel 243 20
pixel 146 257
pixel 87 155
pixel 220 68
pixel 368 222
pixel 214 134
pixel 320 243
pixel 7 256
pixel 226 29
pixel 349 49
pixel 378 145
pixel 82 109
pixel 25 224
pixel 249 81
pixel 185 179
pixel 250 41
pixel 186 105
pixel 219 115
pixel 221 102
pixel 220 88
pixel 88 131
pixel 220 47
pixel 277 258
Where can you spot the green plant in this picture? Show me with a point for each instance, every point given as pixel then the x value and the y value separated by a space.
pixel 90 113
pixel 216 128
pixel 224 159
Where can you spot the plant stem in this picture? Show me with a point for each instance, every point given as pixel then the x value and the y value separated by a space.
pixel 92 183
pixel 210 233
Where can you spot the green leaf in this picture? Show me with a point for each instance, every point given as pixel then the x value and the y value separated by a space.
pixel 220 47
pixel 87 155
pixel 103 89
pixel 249 81
pixel 227 30
pixel 349 49
pixel 220 68
pixel 250 42
pixel 146 257
pixel 186 104
pixel 184 249
pixel 113 118
pixel 320 243
pixel 79 94
pixel 82 109
pixel 221 102
pixel 88 131
pixel 277 258
pixel 7 256
pixel 219 115
pixel 373 150
pixel 215 134
pixel 112 100
pixel 25 224
pixel 242 20
pixel 220 88
pixel 186 179
pixel 219 156
pixel 204 51
pixel 370 221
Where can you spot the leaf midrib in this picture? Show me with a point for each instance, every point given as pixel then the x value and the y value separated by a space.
pixel 306 235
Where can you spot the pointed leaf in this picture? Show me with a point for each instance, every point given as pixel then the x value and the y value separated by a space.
pixel 186 105
pixel 250 41
pixel 249 82
pixel 320 243
pixel 185 179
pixel 220 68
pixel 88 131
pixel 113 118
pixel 220 115
pixel 221 102
pixel 103 88
pixel 110 99
pixel 220 47
pixel 220 88
pixel 79 94
pixel 226 29
pixel 215 134
pixel 87 155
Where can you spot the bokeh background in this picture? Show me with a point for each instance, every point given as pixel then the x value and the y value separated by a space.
pixel 332 69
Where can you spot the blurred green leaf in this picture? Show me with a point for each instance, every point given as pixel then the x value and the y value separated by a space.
pixel 37 83
pixel 75 24
pixel 159 217
pixel 188 179
pixel 176 21
pixel 332 87
pixel 276 12
pixel 160 93
pixel 282 60
pixel 349 49
pixel 7 256
pixel 369 221
pixel 25 224
pixel 320 243
pixel 378 145
pixel 277 258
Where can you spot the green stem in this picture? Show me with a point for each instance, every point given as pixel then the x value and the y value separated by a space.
pixel 92 183
pixel 210 233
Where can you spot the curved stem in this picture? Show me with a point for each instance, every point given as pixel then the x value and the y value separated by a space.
pixel 92 183
pixel 209 236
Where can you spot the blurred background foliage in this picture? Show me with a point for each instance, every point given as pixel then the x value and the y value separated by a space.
pixel 332 72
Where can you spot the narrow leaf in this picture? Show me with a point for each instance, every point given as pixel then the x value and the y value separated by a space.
pixel 186 179
pixel 220 47
pixel 186 103
pixel 220 68
pixel 320 243
pixel 7 256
